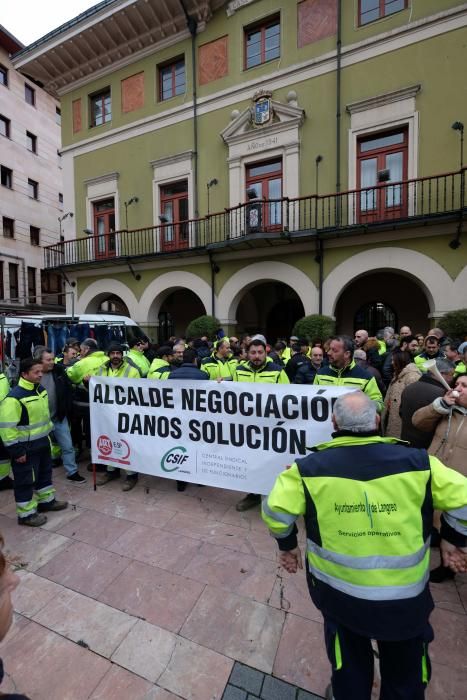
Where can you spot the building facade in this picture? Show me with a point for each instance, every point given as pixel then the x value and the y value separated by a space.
pixel 31 191
pixel 261 160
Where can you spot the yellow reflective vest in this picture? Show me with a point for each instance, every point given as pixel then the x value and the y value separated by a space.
pixel 368 507
pixel 124 370
pixel 25 419
pixel 269 373
pixel 86 366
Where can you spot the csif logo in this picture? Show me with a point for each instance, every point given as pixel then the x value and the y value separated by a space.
pixel 174 459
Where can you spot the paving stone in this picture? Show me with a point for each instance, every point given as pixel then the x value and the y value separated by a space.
pixel 146 650
pixel 232 693
pixel 304 695
pixel 247 678
pixel 275 689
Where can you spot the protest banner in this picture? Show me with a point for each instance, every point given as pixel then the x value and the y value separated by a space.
pixel 230 435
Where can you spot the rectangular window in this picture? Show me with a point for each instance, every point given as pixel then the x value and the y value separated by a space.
pixel 6 176
pixel 172 79
pixel 34 235
pixel 31 142
pixel 4 126
pixel 101 108
pixel 371 10
pixel 3 76
pixel 265 179
pixel 29 94
pixel 33 189
pixel 262 42
pixel 58 116
pixel 32 298
pixel 13 273
pixel 8 227
pixel 174 231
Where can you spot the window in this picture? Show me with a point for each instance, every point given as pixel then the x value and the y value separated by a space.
pixel 371 10
pixel 3 76
pixel 60 198
pixel 1 280
pixel 29 94
pixel 172 79
pixel 58 116
pixel 52 288
pixel 32 298
pixel 101 108
pixel 262 42
pixel 34 235
pixel 33 189
pixel 265 179
pixel 374 316
pixel 382 163
pixel 104 228
pixel 13 273
pixel 4 126
pixel 6 176
pixel 174 214
pixel 31 142
pixel 8 227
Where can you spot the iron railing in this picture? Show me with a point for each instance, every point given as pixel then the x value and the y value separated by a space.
pixel 386 204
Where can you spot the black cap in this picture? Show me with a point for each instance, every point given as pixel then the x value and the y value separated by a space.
pixel 115 347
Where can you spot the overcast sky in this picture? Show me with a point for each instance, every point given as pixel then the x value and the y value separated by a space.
pixel 28 20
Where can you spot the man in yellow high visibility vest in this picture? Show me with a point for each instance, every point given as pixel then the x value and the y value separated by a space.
pixel 368 507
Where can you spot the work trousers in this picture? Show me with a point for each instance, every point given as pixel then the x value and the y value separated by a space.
pixel 404 665
pixel 34 475
pixel 63 439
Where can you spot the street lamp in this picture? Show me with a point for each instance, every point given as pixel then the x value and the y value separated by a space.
pixel 132 200
pixel 62 218
pixel 458 126
pixel 210 184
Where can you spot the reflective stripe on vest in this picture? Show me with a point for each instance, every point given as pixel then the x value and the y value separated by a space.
pixel 372 562
pixel 284 518
pixel 410 590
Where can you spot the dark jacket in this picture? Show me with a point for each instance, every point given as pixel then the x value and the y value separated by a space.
pixel 64 391
pixel 295 362
pixel 305 373
pixel 187 371
pixel 415 396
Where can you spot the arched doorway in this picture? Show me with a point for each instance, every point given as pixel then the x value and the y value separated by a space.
pixel 271 308
pixel 382 298
pixel 177 310
pixel 113 305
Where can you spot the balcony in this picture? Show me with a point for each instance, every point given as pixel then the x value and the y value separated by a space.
pixel 264 223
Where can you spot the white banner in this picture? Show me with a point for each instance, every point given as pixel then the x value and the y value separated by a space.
pixel 232 435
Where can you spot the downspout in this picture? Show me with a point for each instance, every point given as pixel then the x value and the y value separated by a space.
pixel 214 270
pixel 338 101
pixel 192 25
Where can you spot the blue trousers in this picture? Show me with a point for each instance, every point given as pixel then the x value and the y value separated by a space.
pixel 63 438
pixel 405 665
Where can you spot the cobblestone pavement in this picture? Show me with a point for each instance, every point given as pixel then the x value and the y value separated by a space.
pixel 159 595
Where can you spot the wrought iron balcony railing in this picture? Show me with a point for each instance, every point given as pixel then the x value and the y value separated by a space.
pixel 388 204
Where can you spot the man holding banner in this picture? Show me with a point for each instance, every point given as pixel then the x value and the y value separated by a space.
pixel 257 369
pixel 368 507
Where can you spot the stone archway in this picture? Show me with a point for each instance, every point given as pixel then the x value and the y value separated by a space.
pixel 431 278
pixel 271 308
pixel 261 272
pixel 97 292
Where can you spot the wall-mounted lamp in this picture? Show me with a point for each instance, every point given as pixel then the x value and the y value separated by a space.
pixel 163 219
pixel 458 126
pixel 318 160
pixel 132 200
pixel 251 193
pixel 210 184
pixel 88 231
pixel 62 218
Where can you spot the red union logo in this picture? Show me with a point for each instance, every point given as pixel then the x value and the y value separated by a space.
pixel 104 445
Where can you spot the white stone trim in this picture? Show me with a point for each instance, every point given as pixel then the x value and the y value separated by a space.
pixel 234 5
pixel 88 301
pixel 159 289
pixel 384 99
pixel 433 279
pixel 165 171
pixel 236 287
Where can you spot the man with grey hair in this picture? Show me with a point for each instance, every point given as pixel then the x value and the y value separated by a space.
pixel 368 506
